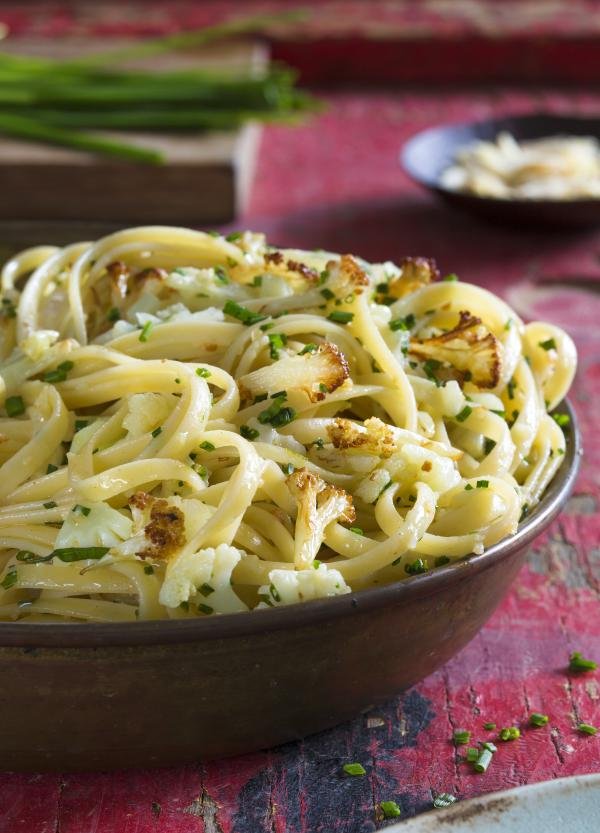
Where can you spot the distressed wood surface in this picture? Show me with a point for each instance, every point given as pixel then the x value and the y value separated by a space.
pixel 336 183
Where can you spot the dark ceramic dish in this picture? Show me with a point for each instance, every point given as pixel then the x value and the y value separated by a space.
pixel 430 152
pixel 108 696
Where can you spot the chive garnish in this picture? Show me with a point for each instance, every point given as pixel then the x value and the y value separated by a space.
pixel 461 736
pixel 561 419
pixel 148 569
pixel 466 412
pixel 483 761
pixel 51 468
pixel 354 769
pixel 509 733
pixel 242 314
pixel 80 423
pixel 472 754
pixel 287 468
pixel 416 567
pixel 248 433
pixel 549 344
pixel 14 406
pixel 444 800
pixel 537 719
pixel 390 810
pixel 276 415
pixel 233 236
pixel 81 510
pixel 113 314
pixel 510 387
pixel 157 431
pixel 146 330
pixel 405 323
pixel 203 372
pixel 206 589
pixel 488 445
pixel 482 484
pixel 340 317
pixel 9 580
pixel 578 663
pixel 327 294
pixel 450 277
pixel 50 504
pixel 207 446
pixel 221 275
pixel 69 554
pixel 206 609
pixel 308 348
pixel 356 530
pixel 587 728
pixel 489 726
pixel 276 342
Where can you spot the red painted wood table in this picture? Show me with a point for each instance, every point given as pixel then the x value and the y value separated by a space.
pixel 336 183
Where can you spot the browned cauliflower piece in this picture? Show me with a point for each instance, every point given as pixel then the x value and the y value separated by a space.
pixel 345 277
pixel 472 351
pixel 316 373
pixel 319 504
pixel 416 272
pixel 374 438
pixel 164 530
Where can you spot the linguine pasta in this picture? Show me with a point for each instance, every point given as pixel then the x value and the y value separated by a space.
pixel 197 424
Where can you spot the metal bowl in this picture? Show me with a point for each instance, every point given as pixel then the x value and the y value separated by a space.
pixel 427 155
pixel 107 696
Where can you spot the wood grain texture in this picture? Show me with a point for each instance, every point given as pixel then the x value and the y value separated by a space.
pixel 336 183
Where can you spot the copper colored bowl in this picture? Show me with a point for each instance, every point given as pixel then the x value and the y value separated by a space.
pixel 106 696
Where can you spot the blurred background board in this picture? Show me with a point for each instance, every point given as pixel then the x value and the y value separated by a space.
pixel 205 179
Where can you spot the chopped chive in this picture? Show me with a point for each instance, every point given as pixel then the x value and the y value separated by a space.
pixel 148 569
pixel 203 372
pixel 562 419
pixel 276 342
pixel 276 414
pixel 537 719
pixel 483 761
pixel 81 510
pixel 491 747
pixel 113 314
pixel 265 327
pixel 14 406
pixel 242 314
pixel 157 431
pixel 221 275
pixel 207 446
pixel 482 484
pixel 489 726
pixel 80 424
pixel 468 488
pixel 287 468
pixel 472 754
pixel 461 736
pixel 508 324
pixel 10 579
pixel 274 592
pixel 466 412
pixel 51 468
pixel 316 564
pixel 69 554
pixel 233 236
pixel 206 609
pixel 340 317
pixel 260 398
pixel 488 445
pixel 390 810
pixel 441 560
pixel 213 233
pixel 206 589
pixel 354 769
pixel 429 368
pixel 524 512
pixel 146 330
pixel 509 733
pixel 510 387
pixel 327 294
pixel 248 433
pixel 444 800
pixel 323 388
pixel 51 504
pixel 416 567
pixel 578 663
pixel 586 728
pixel 308 348
pixel 405 323
pixel 450 277
pixel 549 344
pixel 356 530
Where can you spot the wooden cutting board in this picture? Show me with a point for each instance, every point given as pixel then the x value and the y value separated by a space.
pixel 206 177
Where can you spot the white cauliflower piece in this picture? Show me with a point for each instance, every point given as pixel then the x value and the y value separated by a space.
pixel 319 504
pixel 292 586
pixel 205 578
pixel 372 486
pixel 346 277
pixel 84 435
pixel 413 463
pixel 193 284
pixel 121 328
pixel 38 343
pixel 101 526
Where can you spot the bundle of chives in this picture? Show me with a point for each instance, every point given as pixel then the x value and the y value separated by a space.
pixel 58 101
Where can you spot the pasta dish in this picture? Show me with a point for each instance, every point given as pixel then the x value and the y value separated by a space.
pixel 197 424
pixel 556 168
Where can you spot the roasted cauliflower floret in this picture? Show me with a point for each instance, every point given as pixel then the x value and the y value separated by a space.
pixel 415 272
pixel 345 277
pixel 470 349
pixel 316 373
pixel 93 525
pixel 375 437
pixel 319 504
pixel 292 586
pixel 203 578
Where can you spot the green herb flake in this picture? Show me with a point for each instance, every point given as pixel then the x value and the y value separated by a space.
pixel 489 726
pixel 406 323
pixel 80 424
pixel 356 530
pixel 327 294
pixel 308 348
pixel 511 387
pixel 524 512
pixel 444 800
pixel 482 484
pixel 203 372
pixel 390 810
pixel 452 277
pixel 562 420
pixel 441 560
pixel 51 468
pixel 114 314
pixel 69 554
pixel 221 275
pixel 148 569
pixel 242 314
pixel 157 431
pixel 276 342
pixel 354 769
pixel 233 236
pixel 509 733
pixel 461 737
pixel 483 761
pixel 472 754
pixel 206 589
pixel 578 663
pixel 537 719
pixel 466 412
pixel 587 728
pixel 10 579
pixel 146 330
pixel 287 468
pixel 81 510
pixel 248 433
pixel 206 609
pixel 276 415
pixel 51 504
pixel 549 344
pixel 488 445
pixel 468 488
pixel 340 317
pixel 207 446
pixel 416 567
pixel 14 406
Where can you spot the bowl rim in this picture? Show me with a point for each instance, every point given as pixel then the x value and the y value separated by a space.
pixel 171 631
pixel 553 121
